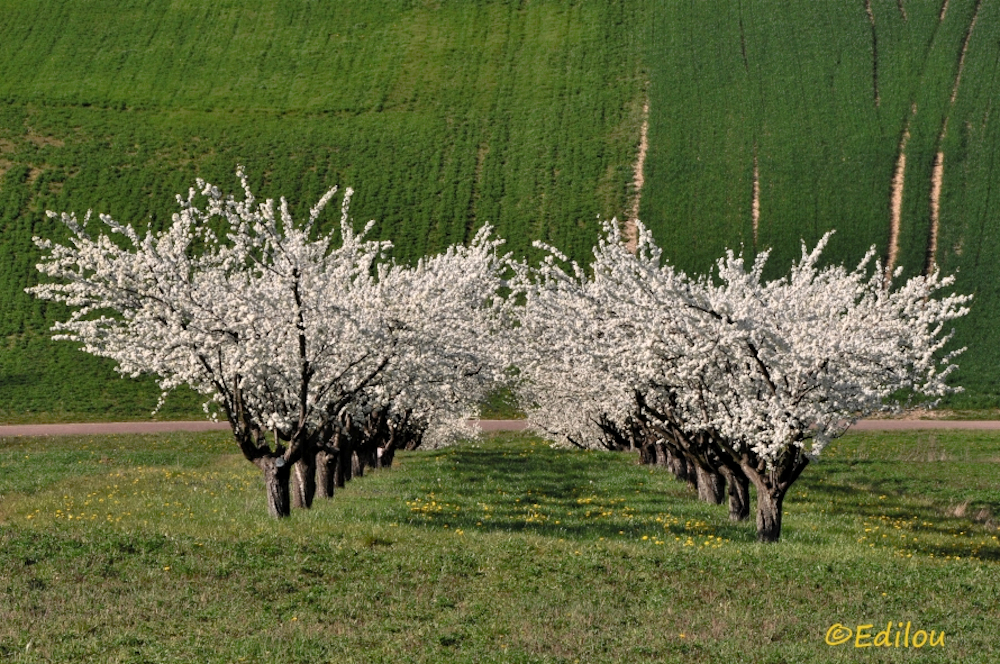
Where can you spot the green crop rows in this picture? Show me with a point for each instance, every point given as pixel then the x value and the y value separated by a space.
pixel 446 115
pixel 821 95
pixel 443 116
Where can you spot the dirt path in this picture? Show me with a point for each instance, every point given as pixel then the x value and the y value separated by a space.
pixel 896 201
pixel 638 180
pixel 937 176
pixel 916 425
pixel 965 49
pixel 937 179
pixel 896 207
pixel 105 428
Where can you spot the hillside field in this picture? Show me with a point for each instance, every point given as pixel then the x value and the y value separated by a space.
pixel 159 549
pixel 806 107
pixel 767 124
pixel 442 115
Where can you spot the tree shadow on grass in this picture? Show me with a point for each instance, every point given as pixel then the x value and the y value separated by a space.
pixel 567 494
pixel 857 489
pixel 517 483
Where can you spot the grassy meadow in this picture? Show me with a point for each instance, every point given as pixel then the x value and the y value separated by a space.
pixel 158 549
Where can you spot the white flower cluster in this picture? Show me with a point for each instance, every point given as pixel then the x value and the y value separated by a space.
pixel 757 373
pixel 766 364
pixel 285 329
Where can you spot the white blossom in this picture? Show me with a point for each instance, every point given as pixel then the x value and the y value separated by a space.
pixel 283 329
pixel 765 364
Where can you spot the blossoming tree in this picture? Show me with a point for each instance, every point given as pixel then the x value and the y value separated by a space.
pixel 286 330
pixel 750 376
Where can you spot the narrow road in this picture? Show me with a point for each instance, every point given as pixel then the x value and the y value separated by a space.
pixel 104 428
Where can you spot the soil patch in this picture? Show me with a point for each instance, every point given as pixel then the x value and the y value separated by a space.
pixel 896 203
pixel 638 180
pixel 44 141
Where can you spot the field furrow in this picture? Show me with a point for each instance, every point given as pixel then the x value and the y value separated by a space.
pixel 812 102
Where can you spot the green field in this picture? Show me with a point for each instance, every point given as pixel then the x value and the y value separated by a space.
pixel 442 115
pixel 820 95
pixel 446 115
pixel 159 549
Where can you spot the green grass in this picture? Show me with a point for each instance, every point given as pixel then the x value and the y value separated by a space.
pixel 158 549
pixel 794 87
pixel 447 115
pixel 442 115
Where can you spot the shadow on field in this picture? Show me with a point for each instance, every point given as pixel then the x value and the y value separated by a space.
pixel 890 506
pixel 514 483
pixel 582 495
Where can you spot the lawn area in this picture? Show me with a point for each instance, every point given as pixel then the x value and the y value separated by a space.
pixel 159 549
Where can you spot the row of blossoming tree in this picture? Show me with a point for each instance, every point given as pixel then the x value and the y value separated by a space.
pixel 325 356
pixel 729 378
pixel 322 355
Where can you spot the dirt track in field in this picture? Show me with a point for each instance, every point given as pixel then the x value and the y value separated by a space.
pixel 937 176
pixel 106 428
pixel 630 232
pixel 896 203
pixel 937 180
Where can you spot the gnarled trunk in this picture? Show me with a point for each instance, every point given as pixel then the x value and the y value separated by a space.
pixel 677 464
pixel 385 456
pixel 769 514
pixel 772 485
pixel 343 474
pixel 369 455
pixel 304 481
pixel 357 466
pixel 711 486
pixel 691 476
pixel 326 473
pixel 276 480
pixel 739 493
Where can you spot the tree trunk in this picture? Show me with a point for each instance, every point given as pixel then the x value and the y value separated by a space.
pixel 662 454
pixel 276 476
pixel 690 473
pixel 357 467
pixel 369 456
pixel 772 485
pixel 682 467
pixel 385 457
pixel 739 493
pixel 711 486
pixel 343 467
pixel 677 464
pixel 304 481
pixel 769 513
pixel 326 473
